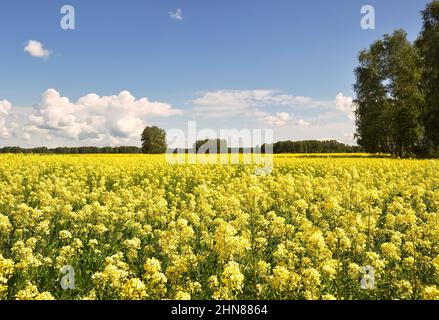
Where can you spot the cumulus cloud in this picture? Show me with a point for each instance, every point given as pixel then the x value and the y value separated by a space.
pixel 231 103
pixel 277 120
pixel 5 107
pixel 345 104
pixel 303 123
pixel 119 119
pixel 36 49
pixel 177 15
pixel 274 108
pixel 26 136
pixel 93 117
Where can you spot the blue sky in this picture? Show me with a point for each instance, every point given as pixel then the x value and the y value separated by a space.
pixel 276 64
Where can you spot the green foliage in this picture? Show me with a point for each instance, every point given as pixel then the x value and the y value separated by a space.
pixel 207 146
pixel 397 88
pixel 312 146
pixel 401 66
pixel 307 146
pixel 74 150
pixel 372 113
pixel 154 140
pixel 428 47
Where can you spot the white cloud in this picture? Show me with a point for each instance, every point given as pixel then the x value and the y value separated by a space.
pixel 313 118
pixel 278 120
pixel 345 104
pixel 231 103
pixel 26 136
pixel 5 107
pixel 36 49
pixel 118 119
pixel 177 15
pixel 94 117
pixel 303 123
pixel 348 138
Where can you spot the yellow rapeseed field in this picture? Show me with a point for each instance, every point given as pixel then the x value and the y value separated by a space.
pixel 137 227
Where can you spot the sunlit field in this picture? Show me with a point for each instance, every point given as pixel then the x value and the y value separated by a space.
pixel 346 226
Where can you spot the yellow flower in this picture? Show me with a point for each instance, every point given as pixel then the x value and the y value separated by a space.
pixel 354 270
pixel 134 289
pixel 180 295
pixel 155 280
pixel 311 278
pixel 405 289
pixel 44 296
pixel 5 225
pixel 436 263
pixel 115 273
pixel 213 282
pixel 262 268
pixel 329 268
pixel 232 278
pixel 132 245
pixel 227 243
pixel 430 293
pixel 30 292
pixel 390 251
pixel 65 234
pixel 142 228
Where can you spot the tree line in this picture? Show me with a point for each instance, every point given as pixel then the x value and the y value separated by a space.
pixel 204 146
pixel 74 150
pixel 154 142
pixel 313 146
pixel 397 92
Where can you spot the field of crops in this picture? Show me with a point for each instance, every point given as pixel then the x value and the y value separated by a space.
pixel 136 227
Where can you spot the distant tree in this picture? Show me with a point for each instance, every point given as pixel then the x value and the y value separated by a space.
pixel 207 146
pixel 428 46
pixel 74 150
pixel 153 140
pixel 41 150
pixel 311 146
pixel 12 150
